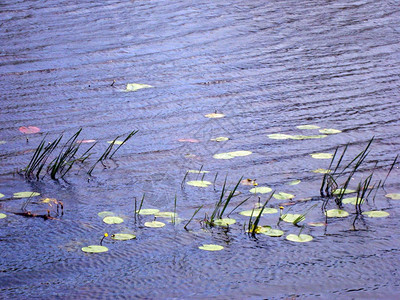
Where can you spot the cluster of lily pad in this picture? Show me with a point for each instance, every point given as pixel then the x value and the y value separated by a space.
pixel 323 133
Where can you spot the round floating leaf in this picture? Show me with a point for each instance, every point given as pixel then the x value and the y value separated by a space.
pixel 199 183
pixel 2 216
pixel 280 136
pixel 94 249
pixel 26 194
pixel 329 131
pixel 131 87
pixel 214 116
pixel 322 171
pixel 211 247
pixel 283 196
pixel 290 218
pixel 154 224
pixel 113 220
pixel 343 191
pixel 117 142
pixel 249 181
pixel 308 137
pixel 294 182
pixel 302 238
pixel 352 200
pixel 261 190
pixel 104 214
pixel 198 171
pixel 1 195
pixel 308 127
pixel 322 155
pixel 269 210
pixel 260 229
pixel 188 140
pixel 225 222
pixel 240 153
pixel 223 156
pixel 220 139
pixel 273 232
pixel 165 214
pixel 147 211
pixel 317 224
pixel 336 213
pixel 248 213
pixel 29 129
pixel 376 213
pixel 123 236
pixel 394 196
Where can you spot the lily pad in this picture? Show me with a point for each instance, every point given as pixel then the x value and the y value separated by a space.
pixel 117 142
pixel 329 131
pixel 3 142
pixel 2 216
pixel 322 155
pixel 273 232
pixel 104 214
pixel 302 238
pixel 317 224
pixel 230 155
pixel 294 182
pixel 1 195
pixel 283 196
pixel 147 211
pixel 154 224
pixel 249 181
pixel 25 194
pixel 85 141
pixel 220 139
pixel 123 236
pixel 376 213
pixel 198 171
pixel 308 127
pixel 352 200
pixel 280 136
pixel 211 247
pixel 343 191
pixel 248 213
pixel 214 116
pixel 199 183
pixel 94 249
pixel 113 220
pixel 260 229
pixel 165 214
pixel 322 171
pixel 290 218
pixel 29 129
pixel 394 196
pixel 225 222
pixel 336 213
pixel 308 137
pixel 261 190
pixel 189 140
pixel 131 87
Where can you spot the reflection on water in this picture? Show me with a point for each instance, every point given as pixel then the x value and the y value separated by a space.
pixel 268 67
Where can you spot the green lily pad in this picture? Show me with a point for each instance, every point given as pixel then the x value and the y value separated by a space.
pixel 117 142
pixel 26 194
pixel 225 222
pixel 294 182
pixel 260 229
pixel 308 127
pixel 220 139
pixel 154 224
pixel 329 131
pixel 280 136
pixel 211 247
pixel 248 213
pixel 198 171
pixel 104 214
pixel 283 196
pixel 322 171
pixel 131 87
pixel 317 224
pixel 308 137
pixel 2 216
pixel 113 220
pixel 1 195
pixel 352 200
pixel 273 232
pixel 230 155
pixel 214 116
pixel 240 153
pixel 376 213
pixel 302 238
pixel 322 155
pixel 336 213
pixel 165 214
pixel 147 211
pixel 343 191
pixel 269 210
pixel 290 218
pixel 123 236
pixel 199 183
pixel 94 249
pixel 260 190
pixel 394 196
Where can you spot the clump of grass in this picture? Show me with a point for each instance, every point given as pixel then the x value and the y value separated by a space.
pixel 252 226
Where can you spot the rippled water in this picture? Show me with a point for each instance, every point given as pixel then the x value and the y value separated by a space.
pixel 269 66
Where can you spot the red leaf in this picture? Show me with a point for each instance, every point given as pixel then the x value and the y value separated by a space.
pixel 29 129
pixel 85 141
pixel 189 140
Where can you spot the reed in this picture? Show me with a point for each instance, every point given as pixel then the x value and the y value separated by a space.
pixel 254 226
pixel 190 220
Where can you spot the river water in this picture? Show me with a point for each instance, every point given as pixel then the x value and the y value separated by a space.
pixel 268 67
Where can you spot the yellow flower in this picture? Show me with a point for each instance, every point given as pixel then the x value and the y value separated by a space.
pixel 281 207
pixel 106 234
